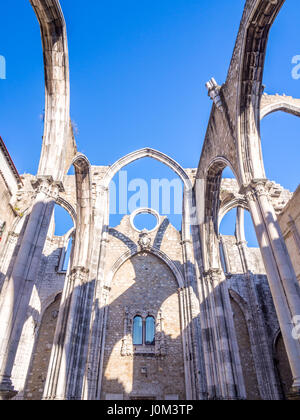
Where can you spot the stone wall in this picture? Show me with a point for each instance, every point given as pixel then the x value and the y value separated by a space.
pixel 246 355
pixel 41 353
pixel 289 221
pixel 143 285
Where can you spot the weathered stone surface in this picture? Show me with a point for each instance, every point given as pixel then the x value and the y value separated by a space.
pixel 289 220
pixel 222 310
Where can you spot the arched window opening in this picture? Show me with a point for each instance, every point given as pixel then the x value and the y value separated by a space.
pixel 63 222
pixel 145 221
pixel 150 331
pixel 250 234
pixel 228 223
pixel 71 171
pixel 144 331
pixel 280 131
pixel 138 331
pixel 280 146
pixel 67 254
pixel 228 174
pixel 239 248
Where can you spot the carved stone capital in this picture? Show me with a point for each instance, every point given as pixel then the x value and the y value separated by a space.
pixel 256 188
pixel 213 275
pixel 47 186
pixel 79 276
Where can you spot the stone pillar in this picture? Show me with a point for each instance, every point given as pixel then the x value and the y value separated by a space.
pixel 67 367
pixel 18 286
pixel 64 372
pixel 240 237
pixel 224 382
pixel 281 276
pixel 258 334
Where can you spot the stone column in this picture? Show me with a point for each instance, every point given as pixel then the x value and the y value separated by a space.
pixel 281 276
pixel 258 334
pixel 18 286
pixel 224 382
pixel 240 237
pixel 64 367
pixel 67 367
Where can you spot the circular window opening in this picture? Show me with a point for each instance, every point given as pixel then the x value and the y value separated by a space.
pixel 145 219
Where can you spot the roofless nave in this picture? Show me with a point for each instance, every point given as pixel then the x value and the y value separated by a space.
pixel 158 314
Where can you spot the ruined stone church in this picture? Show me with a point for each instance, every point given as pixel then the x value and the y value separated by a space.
pixel 157 314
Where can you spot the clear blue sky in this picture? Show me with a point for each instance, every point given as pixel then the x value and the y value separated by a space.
pixel 138 74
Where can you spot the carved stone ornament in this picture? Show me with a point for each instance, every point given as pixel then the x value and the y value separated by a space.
pixel 144 241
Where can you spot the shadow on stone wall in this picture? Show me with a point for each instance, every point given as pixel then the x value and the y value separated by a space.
pixel 150 375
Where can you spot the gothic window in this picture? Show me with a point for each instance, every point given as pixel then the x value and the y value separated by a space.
pixel 138 331
pixel 150 331
pixel 144 331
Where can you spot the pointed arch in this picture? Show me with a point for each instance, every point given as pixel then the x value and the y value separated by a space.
pixel 158 253
pixel 144 153
pixel 271 104
pixel 252 42
pixel 213 185
pixel 58 140
pixel 84 210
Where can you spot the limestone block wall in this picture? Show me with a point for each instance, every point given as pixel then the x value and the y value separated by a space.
pixel 7 214
pixel 257 329
pixel 38 330
pixel 41 354
pixel 254 259
pixel 143 284
pixel 255 321
pixel 246 355
pixel 289 221
pixel 123 238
